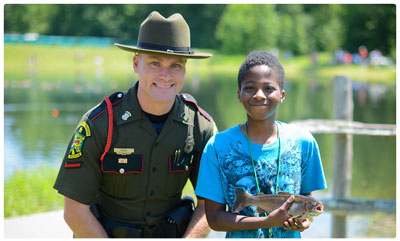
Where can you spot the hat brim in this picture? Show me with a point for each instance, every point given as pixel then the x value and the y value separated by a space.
pixel 158 52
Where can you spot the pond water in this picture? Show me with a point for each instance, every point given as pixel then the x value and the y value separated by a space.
pixel 40 117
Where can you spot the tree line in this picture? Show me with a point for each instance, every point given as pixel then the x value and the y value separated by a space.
pixel 230 28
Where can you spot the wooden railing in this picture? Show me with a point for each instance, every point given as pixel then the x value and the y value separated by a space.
pixel 344 128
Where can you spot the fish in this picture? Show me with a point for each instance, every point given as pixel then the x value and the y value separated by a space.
pixel 302 207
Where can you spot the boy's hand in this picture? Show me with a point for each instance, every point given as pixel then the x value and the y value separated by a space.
pixel 280 215
pixel 297 224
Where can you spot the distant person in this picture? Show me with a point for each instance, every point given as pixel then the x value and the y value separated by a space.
pixel 363 52
pixel 130 157
pixel 262 156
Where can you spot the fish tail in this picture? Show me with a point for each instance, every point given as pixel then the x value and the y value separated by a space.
pixel 240 200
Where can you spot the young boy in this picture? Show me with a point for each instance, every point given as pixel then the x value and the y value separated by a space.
pixel 260 156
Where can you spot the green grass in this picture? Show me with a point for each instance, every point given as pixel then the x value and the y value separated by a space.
pixel 28 192
pixel 49 62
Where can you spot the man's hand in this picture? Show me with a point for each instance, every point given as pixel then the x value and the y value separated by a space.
pixel 198 226
pixel 297 224
pixel 81 220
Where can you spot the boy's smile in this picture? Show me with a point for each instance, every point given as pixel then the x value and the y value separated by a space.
pixel 260 93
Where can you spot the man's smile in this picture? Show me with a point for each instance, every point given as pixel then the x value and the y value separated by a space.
pixel 163 86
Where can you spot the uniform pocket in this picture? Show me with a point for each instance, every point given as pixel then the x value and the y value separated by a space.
pixel 122 164
pixel 182 162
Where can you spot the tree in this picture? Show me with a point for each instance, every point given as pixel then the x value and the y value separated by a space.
pixel 19 18
pixel 294 29
pixel 243 28
pixel 325 31
pixel 371 25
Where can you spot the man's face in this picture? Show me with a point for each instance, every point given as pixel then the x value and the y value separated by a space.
pixel 260 93
pixel 160 77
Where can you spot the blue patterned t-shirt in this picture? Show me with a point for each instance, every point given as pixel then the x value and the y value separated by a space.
pixel 226 164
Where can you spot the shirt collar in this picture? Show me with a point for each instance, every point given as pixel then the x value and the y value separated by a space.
pixel 131 108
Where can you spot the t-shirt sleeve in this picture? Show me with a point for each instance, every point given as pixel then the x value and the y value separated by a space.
pixel 210 131
pixel 209 181
pixel 312 174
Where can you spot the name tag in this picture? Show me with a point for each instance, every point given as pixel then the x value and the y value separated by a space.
pixel 124 151
pixel 123 160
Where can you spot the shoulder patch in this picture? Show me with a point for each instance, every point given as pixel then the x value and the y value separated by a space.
pixel 98 110
pixel 81 133
pixel 188 98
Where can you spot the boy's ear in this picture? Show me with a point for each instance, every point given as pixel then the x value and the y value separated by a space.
pixel 238 93
pixel 283 95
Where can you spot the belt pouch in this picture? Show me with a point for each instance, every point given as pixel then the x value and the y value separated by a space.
pixel 116 229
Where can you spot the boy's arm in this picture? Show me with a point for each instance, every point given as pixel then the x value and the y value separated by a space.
pixel 221 220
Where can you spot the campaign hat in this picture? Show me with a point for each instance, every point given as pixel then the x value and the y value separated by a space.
pixel 164 36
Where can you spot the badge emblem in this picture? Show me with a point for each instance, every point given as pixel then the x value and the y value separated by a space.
pixel 124 151
pixel 189 143
pixel 126 115
pixel 81 133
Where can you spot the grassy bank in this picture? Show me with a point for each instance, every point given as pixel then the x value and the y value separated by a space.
pixel 28 192
pixel 49 62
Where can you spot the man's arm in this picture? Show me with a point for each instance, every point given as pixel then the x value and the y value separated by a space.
pixel 81 220
pixel 198 226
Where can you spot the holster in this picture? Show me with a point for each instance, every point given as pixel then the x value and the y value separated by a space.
pixel 182 215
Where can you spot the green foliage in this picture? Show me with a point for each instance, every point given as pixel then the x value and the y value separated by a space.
pixel 30 191
pixel 121 21
pixel 325 31
pixel 296 26
pixel 244 28
pixel 233 28
pixel 29 18
pixel 371 25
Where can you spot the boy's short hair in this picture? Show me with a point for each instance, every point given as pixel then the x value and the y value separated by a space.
pixel 261 58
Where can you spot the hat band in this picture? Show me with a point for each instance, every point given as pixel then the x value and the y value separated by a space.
pixel 169 49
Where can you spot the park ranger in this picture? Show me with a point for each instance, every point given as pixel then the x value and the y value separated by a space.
pixel 131 155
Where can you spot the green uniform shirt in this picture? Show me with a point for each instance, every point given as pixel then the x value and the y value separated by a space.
pixel 142 176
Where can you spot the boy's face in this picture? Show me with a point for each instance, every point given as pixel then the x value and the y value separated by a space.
pixel 260 93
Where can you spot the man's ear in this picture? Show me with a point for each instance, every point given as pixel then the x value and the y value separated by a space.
pixel 136 59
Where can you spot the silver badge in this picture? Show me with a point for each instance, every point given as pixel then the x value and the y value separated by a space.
pixel 189 143
pixel 126 115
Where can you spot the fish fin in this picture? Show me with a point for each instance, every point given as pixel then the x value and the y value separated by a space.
pixel 260 210
pixel 282 192
pixel 311 219
pixel 240 200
